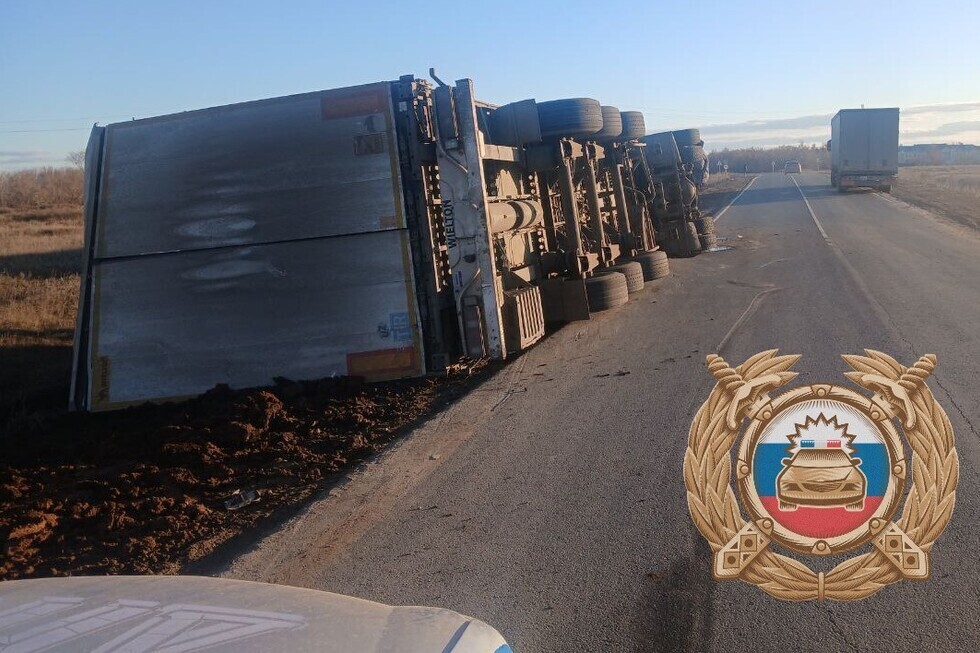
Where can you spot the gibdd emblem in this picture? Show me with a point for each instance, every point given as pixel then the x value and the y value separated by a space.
pixel 821 470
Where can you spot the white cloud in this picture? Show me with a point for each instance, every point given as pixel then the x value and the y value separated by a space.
pixel 22 157
pixel 921 124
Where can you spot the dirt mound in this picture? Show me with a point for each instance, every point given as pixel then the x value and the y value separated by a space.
pixel 148 489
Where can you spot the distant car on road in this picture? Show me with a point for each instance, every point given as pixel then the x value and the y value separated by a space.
pixel 792 166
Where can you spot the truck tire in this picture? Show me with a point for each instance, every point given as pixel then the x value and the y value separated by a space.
pixel 514 124
pixel 633 272
pixel 680 239
pixel 687 137
pixel 655 265
pixel 689 242
pixel 606 290
pixel 569 118
pixel 612 124
pixel 705 225
pixel 692 153
pixel 634 126
pixel 886 188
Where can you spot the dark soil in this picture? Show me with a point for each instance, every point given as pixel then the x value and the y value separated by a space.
pixel 143 490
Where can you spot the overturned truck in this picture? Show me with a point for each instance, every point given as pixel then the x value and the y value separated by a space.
pixel 672 169
pixel 379 231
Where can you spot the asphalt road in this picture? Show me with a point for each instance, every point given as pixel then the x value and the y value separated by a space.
pixel 550 503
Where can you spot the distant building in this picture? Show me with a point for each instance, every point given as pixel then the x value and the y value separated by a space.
pixel 938 154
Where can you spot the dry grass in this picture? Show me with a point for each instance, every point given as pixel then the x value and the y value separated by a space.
pixel 40 258
pixel 726 181
pixel 37 310
pixel 958 179
pixel 951 191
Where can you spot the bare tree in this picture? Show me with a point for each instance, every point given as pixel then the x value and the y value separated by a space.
pixel 41 187
pixel 77 159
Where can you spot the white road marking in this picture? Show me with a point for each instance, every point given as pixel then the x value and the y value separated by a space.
pixel 880 311
pixel 812 214
pixel 778 260
pixel 735 199
pixel 749 310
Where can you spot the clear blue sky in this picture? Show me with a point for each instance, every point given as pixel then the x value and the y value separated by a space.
pixel 67 64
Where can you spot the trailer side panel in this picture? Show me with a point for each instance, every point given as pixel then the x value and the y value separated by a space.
pixel 243 243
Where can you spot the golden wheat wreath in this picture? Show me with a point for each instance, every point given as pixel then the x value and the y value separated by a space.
pixel 707 471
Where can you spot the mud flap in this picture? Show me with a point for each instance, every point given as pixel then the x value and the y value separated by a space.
pixel 564 300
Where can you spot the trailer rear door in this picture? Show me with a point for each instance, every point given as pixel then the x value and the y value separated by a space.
pixel 883 141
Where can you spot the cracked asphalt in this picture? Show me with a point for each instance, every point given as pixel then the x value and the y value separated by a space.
pixel 558 514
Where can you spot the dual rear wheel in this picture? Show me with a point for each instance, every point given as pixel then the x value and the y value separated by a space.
pixel 610 287
pixel 705 226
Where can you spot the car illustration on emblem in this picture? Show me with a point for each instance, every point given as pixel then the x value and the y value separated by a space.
pixel 821 478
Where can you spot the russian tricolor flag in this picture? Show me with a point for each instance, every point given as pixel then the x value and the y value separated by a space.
pixel 813 521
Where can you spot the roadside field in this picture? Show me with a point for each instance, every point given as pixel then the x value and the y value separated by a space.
pixel 40 260
pixel 950 191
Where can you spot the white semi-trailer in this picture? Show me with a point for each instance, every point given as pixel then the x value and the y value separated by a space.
pixel 377 231
pixel 864 149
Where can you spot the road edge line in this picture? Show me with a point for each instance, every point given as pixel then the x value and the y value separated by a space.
pixel 734 199
pixel 812 214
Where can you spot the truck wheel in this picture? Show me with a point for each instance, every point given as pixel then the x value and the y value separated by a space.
pixel 687 137
pixel 690 243
pixel 633 272
pixel 708 242
pixel 570 118
pixel 655 264
pixel 612 125
pixel 514 124
pixel 833 180
pixel 606 290
pixel 886 189
pixel 705 225
pixel 679 238
pixel 633 125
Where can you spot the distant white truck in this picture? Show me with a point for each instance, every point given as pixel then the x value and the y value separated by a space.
pixel 864 149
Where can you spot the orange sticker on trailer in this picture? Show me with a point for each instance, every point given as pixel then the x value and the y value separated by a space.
pixel 383 364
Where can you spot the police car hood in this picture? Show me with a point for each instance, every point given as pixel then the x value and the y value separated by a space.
pixel 188 613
